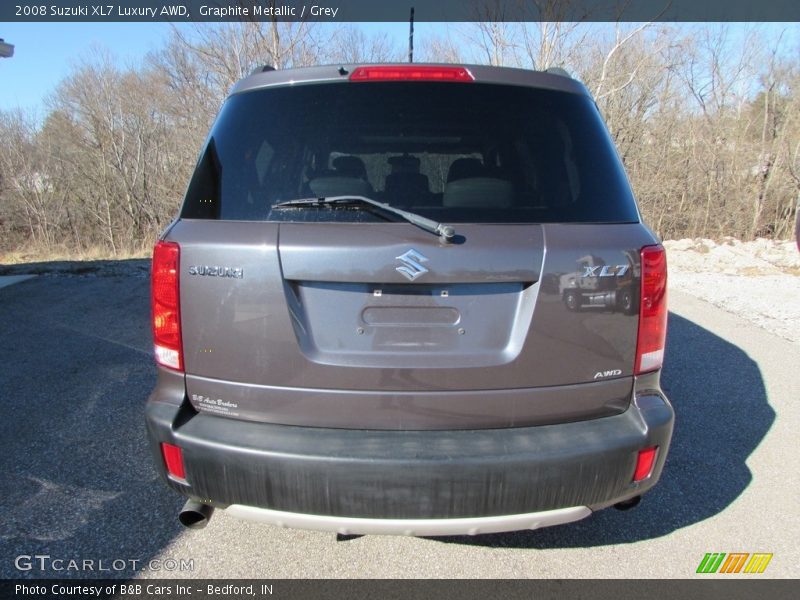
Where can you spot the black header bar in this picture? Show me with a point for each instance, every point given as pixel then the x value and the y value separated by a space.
pixel 409 589
pixel 398 10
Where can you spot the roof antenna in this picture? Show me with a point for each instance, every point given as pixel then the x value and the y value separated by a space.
pixel 411 37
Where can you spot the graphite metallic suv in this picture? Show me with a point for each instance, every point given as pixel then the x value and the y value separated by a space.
pixel 359 313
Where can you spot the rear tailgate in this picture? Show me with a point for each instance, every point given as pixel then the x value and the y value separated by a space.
pixel 326 327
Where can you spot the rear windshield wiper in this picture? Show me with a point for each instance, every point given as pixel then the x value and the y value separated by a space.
pixel 446 232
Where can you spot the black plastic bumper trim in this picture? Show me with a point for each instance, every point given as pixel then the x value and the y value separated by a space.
pixel 413 474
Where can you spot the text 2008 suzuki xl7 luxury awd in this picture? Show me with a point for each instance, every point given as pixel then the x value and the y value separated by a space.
pixel 409 299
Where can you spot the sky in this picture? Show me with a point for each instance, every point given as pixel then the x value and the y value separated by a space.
pixel 44 53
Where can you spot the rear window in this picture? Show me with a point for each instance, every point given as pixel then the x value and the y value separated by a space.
pixel 454 152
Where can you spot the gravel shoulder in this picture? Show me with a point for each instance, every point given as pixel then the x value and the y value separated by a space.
pixel 758 281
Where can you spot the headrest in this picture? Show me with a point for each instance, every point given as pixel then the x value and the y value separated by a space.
pixel 404 164
pixel 463 168
pixel 350 166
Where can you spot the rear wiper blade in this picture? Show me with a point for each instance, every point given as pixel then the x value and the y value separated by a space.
pixel 446 232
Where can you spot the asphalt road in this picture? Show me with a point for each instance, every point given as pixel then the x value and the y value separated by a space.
pixel 77 481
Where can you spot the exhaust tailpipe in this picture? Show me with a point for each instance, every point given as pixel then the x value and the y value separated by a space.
pixel 628 504
pixel 195 515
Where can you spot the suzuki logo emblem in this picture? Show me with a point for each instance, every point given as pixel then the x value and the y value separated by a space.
pixel 412 264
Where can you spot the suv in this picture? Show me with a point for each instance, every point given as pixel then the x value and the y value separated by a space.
pixel 359 313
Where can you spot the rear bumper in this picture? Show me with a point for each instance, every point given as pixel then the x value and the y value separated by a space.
pixel 341 479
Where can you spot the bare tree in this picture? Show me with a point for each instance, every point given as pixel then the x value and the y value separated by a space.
pixel 350 44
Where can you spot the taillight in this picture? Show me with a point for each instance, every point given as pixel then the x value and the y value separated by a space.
pixel 165 298
pixel 411 73
pixel 652 310
pixel 173 460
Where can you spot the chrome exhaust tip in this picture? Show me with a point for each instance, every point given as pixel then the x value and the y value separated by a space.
pixel 195 515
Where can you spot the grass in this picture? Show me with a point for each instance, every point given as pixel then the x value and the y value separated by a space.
pixel 59 254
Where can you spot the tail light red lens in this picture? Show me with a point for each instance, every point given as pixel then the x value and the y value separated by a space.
pixel 173 460
pixel 411 73
pixel 652 310
pixel 644 463
pixel 165 296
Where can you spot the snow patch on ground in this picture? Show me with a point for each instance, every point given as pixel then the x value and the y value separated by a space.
pixel 758 281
